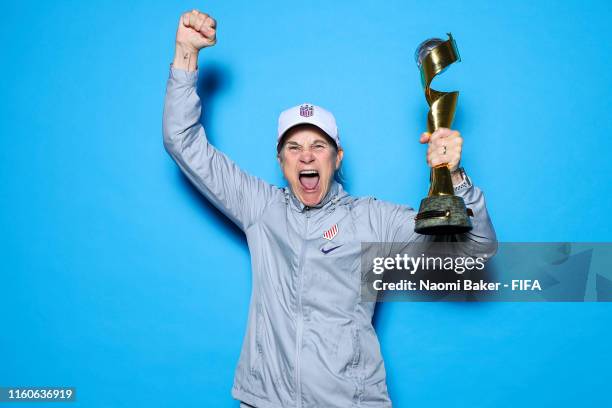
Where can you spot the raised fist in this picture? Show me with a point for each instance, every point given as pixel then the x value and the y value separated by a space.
pixel 196 31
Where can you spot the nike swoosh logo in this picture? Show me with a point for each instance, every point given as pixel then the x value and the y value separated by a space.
pixel 327 251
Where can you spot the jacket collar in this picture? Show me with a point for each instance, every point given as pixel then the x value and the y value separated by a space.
pixel 335 193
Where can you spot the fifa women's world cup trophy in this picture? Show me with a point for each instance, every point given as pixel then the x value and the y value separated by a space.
pixel 441 212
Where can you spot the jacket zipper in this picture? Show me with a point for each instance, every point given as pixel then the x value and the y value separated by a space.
pixel 300 323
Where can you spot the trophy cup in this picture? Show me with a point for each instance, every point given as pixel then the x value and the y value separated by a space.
pixel 441 212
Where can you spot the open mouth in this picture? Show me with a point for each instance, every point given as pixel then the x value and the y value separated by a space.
pixel 309 179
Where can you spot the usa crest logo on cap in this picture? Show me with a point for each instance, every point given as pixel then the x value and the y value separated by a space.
pixel 331 233
pixel 306 111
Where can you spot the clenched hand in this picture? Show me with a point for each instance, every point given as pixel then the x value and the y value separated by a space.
pixel 195 31
pixel 444 148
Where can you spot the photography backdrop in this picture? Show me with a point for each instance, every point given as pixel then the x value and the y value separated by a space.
pixel 119 279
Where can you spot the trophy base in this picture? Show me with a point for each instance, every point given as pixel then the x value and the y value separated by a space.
pixel 442 215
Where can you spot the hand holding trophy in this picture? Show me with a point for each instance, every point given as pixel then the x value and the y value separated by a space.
pixel 441 212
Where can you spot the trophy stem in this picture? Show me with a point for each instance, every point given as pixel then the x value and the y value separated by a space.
pixel 441 181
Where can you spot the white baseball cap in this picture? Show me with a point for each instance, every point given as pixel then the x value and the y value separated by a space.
pixel 307 113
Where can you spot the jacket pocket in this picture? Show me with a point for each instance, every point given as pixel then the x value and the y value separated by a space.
pixel 354 370
pixel 348 351
pixel 256 373
pixel 257 350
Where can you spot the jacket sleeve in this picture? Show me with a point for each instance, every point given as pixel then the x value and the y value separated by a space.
pixel 240 196
pixel 396 224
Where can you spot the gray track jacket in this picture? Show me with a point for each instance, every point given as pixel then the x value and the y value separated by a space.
pixel 309 340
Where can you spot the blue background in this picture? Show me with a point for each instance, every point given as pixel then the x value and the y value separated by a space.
pixel 119 279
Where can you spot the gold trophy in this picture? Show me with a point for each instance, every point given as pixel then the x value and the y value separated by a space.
pixel 441 212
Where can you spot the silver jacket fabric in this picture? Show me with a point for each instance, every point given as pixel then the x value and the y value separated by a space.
pixel 309 340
